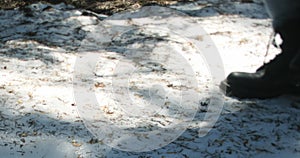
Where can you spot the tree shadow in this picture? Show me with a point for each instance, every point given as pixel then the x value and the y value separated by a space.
pixel 257 127
pixel 266 128
pixel 211 8
pixel 251 9
pixel 35 31
pixel 54 26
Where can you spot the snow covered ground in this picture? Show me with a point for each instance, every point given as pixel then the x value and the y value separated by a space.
pixel 43 114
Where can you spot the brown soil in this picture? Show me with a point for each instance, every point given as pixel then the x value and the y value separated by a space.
pixel 107 7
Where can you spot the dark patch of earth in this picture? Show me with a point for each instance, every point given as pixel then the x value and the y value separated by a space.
pixel 107 7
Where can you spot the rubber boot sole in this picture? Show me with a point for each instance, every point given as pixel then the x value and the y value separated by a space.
pixel 248 93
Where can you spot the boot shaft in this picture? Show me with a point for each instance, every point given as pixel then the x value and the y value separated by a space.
pixel 283 11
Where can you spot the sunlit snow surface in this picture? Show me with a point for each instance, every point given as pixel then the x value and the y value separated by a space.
pixel 39 116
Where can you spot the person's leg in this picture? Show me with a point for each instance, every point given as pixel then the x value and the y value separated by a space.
pixel 276 77
pixel 281 11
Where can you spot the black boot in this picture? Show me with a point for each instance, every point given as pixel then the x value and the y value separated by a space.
pixel 295 70
pixel 273 78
